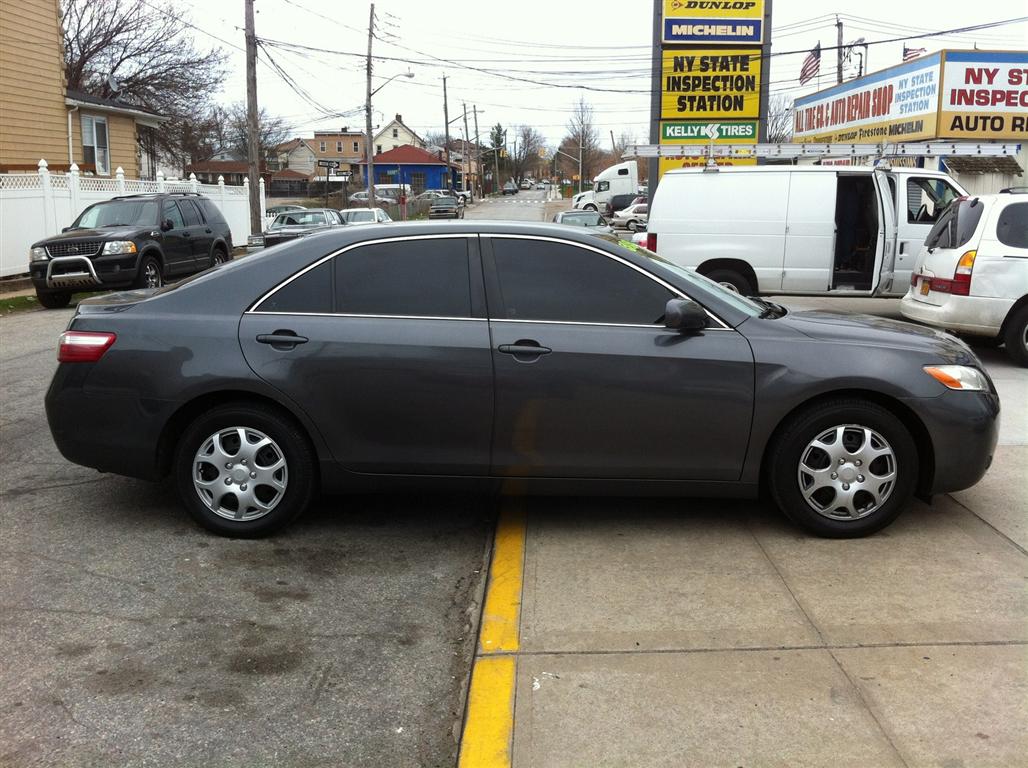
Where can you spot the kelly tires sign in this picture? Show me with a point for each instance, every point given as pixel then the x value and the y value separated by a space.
pixel 713 22
pixel 700 132
pixel 708 83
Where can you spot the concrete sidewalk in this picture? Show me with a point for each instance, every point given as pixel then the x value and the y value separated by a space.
pixel 704 633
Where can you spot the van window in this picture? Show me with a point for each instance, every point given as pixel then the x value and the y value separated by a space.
pixel 926 199
pixel 602 186
pixel 1012 228
pixel 957 224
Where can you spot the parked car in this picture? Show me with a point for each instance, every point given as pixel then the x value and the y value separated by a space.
pixel 317 360
pixel 972 273
pixel 429 194
pixel 462 194
pixel 130 241
pixel 631 218
pixel 275 210
pixel 446 208
pixel 825 230
pixel 510 188
pixel 365 216
pixel 620 202
pixel 526 184
pixel 540 185
pixel 590 219
pixel 382 197
pixel 289 226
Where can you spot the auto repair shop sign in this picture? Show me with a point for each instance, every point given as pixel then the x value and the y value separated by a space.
pixel 710 83
pixel 984 95
pixel 713 22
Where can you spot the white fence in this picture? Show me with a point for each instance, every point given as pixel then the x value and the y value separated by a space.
pixel 38 205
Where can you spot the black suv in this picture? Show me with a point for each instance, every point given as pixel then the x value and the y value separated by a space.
pixel 130 242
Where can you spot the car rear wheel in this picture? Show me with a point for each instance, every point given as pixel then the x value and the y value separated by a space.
pixel 1016 336
pixel 244 470
pixel 54 299
pixel 150 275
pixel 633 226
pixel 731 280
pixel 843 468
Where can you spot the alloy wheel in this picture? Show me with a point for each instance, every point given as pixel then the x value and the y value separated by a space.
pixel 240 473
pixel 847 472
pixel 152 275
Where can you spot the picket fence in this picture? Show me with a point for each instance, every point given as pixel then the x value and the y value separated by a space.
pixel 38 205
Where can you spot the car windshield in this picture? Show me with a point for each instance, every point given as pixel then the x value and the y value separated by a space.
pixel 118 213
pixel 749 306
pixel 351 217
pixel 298 218
pixel 582 219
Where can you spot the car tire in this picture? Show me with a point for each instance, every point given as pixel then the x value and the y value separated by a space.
pixel 150 275
pixel 215 474
pixel 633 226
pixel 731 280
pixel 1015 336
pixel 54 299
pixel 834 435
pixel 589 207
pixel 218 256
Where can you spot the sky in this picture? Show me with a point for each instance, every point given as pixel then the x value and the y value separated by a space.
pixel 598 50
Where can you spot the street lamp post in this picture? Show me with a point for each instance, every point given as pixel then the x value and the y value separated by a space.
pixel 368 139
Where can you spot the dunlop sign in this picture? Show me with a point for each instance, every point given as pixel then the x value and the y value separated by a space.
pixel 705 84
pixel 713 22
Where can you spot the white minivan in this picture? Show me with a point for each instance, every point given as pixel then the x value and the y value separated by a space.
pixel 972 274
pixel 830 230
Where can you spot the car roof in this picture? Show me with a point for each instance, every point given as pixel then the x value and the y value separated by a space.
pixel 154 196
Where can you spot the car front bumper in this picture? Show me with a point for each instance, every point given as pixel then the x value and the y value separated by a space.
pixel 70 273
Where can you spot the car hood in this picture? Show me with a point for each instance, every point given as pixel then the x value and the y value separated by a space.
pixel 103 233
pixel 879 332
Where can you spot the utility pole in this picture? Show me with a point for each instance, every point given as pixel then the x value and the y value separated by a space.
pixel 467 150
pixel 478 150
pixel 496 159
pixel 369 149
pixel 581 144
pixel 446 121
pixel 613 145
pixel 252 148
pixel 838 50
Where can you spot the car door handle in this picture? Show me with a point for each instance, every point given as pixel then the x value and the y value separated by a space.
pixel 208 231
pixel 282 339
pixel 524 347
pixel 186 234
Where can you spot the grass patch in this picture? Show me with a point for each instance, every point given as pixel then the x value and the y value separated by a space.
pixel 30 303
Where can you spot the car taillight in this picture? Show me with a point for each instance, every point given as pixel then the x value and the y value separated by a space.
pixel 83 346
pixel 651 241
pixel 961 285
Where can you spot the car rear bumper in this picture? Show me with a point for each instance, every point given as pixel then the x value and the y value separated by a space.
pixel 978 315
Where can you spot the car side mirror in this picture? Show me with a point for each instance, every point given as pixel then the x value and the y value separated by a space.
pixel 685 315
pixel 167 225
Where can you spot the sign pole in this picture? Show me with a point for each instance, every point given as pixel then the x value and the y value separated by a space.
pixel 656 62
pixel 765 68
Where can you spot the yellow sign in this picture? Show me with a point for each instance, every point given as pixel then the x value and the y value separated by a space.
pixel 671 163
pixel 713 22
pixel 984 95
pixel 703 84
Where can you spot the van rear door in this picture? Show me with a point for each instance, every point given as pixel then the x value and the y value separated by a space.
pixel 810 233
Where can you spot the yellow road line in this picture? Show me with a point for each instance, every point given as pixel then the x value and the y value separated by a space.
pixel 500 615
pixel 489 722
pixel 490 717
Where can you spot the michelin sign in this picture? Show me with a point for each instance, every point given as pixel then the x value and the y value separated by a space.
pixel 713 22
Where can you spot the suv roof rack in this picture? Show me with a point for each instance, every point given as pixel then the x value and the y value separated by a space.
pixel 157 194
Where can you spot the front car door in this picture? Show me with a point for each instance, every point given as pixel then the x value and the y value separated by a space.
pixel 177 241
pixel 392 358
pixel 589 382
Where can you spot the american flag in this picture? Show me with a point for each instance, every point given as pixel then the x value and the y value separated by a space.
pixel 912 53
pixel 811 65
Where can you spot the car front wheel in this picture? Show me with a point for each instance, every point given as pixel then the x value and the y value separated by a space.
pixel 150 275
pixel 243 470
pixel 1015 337
pixel 54 299
pixel 843 468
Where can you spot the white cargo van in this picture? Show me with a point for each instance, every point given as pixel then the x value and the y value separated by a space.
pixel 620 179
pixel 799 229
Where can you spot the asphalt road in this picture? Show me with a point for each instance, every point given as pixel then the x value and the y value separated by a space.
pixel 132 638
pixel 527 205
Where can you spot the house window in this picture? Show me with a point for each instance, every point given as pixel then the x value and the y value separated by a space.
pixel 95 149
pixel 378 149
pixel 339 146
pixel 322 146
pixel 396 133
pixel 356 147
pixel 417 181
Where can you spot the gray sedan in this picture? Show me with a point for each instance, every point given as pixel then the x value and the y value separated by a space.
pixel 492 355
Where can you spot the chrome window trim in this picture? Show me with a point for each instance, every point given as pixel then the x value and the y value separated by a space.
pixel 723 325
pixel 252 311
pixel 375 317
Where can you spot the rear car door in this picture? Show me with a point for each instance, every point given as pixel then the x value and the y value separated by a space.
pixel 589 382
pixel 177 242
pixel 386 346
pixel 201 236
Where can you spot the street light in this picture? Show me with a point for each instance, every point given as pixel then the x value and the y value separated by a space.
pixel 369 149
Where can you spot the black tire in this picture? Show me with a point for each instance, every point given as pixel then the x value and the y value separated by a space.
pixel 150 274
pixel 54 299
pixel 1015 336
pixel 633 226
pixel 288 443
pixel 732 280
pixel 589 207
pixel 792 445
pixel 218 256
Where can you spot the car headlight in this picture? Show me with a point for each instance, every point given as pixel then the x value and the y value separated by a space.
pixel 119 246
pixel 38 254
pixel 958 377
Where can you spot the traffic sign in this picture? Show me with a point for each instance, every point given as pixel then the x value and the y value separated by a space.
pixel 328 163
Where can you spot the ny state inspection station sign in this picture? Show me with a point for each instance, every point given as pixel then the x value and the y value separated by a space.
pixel 713 22
pixel 710 83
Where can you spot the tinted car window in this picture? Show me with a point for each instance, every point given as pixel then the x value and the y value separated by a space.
pixel 541 280
pixel 171 212
pixel 1012 227
pixel 189 213
pixel 425 278
pixel 211 212
pixel 957 224
pixel 310 292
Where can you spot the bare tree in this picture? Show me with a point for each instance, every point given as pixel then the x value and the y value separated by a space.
pixel 582 135
pixel 529 142
pixel 144 54
pixel 435 139
pixel 779 119
pixel 271 131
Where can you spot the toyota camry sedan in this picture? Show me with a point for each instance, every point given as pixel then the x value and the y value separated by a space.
pixel 520 358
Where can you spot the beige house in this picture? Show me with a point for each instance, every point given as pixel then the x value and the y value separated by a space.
pixel 41 119
pixel 345 146
pixel 396 134
pixel 296 155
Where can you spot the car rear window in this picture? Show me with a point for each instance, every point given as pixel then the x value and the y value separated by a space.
pixel 1012 227
pixel 957 225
